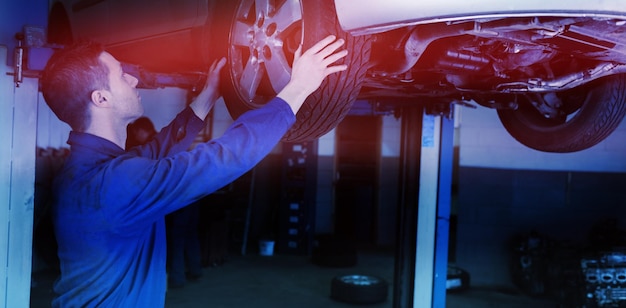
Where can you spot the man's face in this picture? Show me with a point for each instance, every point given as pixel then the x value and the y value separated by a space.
pixel 124 95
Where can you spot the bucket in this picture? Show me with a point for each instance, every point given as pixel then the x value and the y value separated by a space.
pixel 266 248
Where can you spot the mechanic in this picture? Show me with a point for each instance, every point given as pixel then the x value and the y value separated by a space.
pixel 109 204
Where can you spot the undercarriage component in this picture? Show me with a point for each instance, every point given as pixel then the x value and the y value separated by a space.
pixel 605 279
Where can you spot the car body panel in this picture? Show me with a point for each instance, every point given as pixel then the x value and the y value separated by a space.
pixel 129 19
pixel 85 12
pixel 164 34
pixel 374 16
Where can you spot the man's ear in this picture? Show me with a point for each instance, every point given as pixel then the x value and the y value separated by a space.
pixel 99 98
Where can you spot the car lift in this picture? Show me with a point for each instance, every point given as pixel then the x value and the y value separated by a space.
pixel 426 157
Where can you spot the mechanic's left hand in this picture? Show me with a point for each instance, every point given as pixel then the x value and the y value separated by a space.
pixel 203 103
pixel 311 68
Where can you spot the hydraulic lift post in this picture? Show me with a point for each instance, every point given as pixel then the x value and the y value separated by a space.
pixel 424 209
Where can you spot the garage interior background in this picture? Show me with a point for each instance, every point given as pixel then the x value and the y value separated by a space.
pixel 501 187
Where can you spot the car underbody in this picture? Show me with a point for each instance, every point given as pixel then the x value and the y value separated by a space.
pixel 557 81
pixel 477 59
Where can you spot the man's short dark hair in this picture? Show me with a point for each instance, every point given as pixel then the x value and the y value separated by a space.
pixel 70 76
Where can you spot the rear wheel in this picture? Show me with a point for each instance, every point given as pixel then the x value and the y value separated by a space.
pixel 264 36
pixel 590 114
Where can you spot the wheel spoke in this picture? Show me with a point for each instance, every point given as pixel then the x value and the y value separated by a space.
pixel 286 15
pixel 240 35
pixel 262 7
pixel 251 77
pixel 244 9
pixel 278 69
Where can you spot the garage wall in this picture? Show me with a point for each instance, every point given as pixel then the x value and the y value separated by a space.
pixel 494 205
pixel 485 143
pixel 505 189
pixel 324 209
pixel 387 186
pixel 51 132
pixel 162 105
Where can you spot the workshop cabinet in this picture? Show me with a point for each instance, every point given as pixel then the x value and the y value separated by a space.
pixel 296 217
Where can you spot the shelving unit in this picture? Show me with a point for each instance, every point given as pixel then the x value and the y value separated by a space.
pixel 297 209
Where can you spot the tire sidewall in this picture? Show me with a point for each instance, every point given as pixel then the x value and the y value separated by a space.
pixel 599 115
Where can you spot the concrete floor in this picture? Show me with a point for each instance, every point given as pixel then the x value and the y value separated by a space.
pixel 293 281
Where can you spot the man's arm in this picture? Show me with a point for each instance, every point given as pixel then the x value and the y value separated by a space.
pixel 181 132
pixel 310 69
pixel 203 103
pixel 177 136
pixel 145 189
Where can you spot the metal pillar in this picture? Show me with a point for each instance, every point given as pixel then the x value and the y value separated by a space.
pixel 424 209
pixel 18 114
pixel 18 127
pixel 410 150
pixel 444 201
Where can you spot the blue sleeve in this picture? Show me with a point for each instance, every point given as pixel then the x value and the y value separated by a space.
pixel 152 188
pixel 173 138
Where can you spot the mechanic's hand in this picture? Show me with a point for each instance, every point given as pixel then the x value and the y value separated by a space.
pixel 203 103
pixel 310 68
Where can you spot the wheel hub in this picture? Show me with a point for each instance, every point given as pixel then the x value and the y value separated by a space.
pixel 263 37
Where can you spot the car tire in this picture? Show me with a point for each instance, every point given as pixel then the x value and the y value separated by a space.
pixel 359 289
pixel 244 88
pixel 600 108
